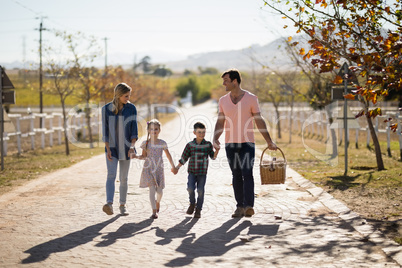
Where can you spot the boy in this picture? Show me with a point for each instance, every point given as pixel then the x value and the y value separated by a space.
pixel 198 151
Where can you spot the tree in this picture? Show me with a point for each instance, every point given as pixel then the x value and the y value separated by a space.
pixel 63 86
pixel 83 51
pixel 162 71
pixel 191 85
pixel 352 31
pixel 208 70
pixel 145 63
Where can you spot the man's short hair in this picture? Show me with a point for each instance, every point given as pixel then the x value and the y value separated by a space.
pixel 199 125
pixel 233 74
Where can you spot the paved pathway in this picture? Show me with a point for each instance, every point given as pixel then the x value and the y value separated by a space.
pixel 57 221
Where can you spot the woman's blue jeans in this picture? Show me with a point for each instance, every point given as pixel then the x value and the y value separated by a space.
pixel 124 166
pixel 241 161
pixel 196 182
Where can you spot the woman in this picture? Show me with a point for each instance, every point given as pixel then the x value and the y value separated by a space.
pixel 120 132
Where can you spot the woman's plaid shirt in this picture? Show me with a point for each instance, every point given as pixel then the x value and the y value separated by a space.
pixel 198 154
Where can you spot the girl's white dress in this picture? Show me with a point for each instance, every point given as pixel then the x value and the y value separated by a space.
pixel 152 173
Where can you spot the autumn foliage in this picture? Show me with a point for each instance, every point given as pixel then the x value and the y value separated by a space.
pixel 366 34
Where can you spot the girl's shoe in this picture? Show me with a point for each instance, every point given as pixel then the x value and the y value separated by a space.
pixel 154 216
pixel 123 210
pixel 158 205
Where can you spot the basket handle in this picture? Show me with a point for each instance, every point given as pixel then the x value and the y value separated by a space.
pixel 267 149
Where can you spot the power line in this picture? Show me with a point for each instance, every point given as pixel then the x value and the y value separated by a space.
pixel 27 8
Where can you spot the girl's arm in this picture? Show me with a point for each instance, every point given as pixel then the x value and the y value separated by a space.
pixel 143 156
pixel 169 157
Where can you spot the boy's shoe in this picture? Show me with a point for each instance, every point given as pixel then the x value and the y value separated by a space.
pixel 239 212
pixel 190 209
pixel 197 213
pixel 248 212
pixel 123 210
pixel 108 208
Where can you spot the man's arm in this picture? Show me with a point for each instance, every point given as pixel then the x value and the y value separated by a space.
pixel 262 127
pixel 220 122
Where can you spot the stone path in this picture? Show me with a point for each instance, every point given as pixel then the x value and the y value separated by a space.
pixel 57 220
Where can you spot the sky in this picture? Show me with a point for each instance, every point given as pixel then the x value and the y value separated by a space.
pixel 165 30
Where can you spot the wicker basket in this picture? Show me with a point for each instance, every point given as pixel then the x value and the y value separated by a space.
pixel 273 171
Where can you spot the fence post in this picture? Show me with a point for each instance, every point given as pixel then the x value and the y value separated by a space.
pixel 357 138
pixel 32 132
pixel 5 143
pixel 50 130
pixel 399 133
pixel 388 138
pixel 18 133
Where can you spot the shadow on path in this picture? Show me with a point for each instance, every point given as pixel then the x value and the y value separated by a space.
pixel 180 230
pixel 42 251
pixel 127 230
pixel 219 241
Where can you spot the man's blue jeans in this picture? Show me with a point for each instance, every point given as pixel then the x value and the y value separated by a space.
pixel 196 182
pixel 241 161
pixel 111 177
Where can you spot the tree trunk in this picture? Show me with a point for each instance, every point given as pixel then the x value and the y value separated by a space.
pixel 377 148
pixel 278 120
pixel 65 129
pixel 88 117
pixel 291 118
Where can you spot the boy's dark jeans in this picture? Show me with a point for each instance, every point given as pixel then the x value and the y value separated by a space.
pixel 241 161
pixel 196 182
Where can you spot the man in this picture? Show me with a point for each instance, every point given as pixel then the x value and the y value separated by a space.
pixel 237 109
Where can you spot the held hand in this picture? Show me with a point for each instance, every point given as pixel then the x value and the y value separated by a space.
pixel 174 170
pixel 217 144
pixel 132 153
pixel 272 146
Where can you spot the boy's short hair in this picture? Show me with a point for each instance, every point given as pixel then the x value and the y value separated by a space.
pixel 199 125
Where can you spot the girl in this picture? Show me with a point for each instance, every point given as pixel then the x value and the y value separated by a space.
pixel 119 129
pixel 152 175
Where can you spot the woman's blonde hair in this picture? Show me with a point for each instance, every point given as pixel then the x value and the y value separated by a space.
pixel 151 122
pixel 119 91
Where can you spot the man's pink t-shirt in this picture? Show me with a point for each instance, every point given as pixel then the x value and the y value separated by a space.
pixel 239 117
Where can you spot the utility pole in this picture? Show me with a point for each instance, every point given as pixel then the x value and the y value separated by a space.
pixel 40 68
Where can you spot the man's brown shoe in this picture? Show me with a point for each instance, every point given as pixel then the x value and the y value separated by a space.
pixel 248 212
pixel 197 213
pixel 190 209
pixel 239 212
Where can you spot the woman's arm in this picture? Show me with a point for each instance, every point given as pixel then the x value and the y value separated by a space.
pixel 108 152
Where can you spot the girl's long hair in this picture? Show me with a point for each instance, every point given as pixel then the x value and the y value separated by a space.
pixel 119 91
pixel 155 122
